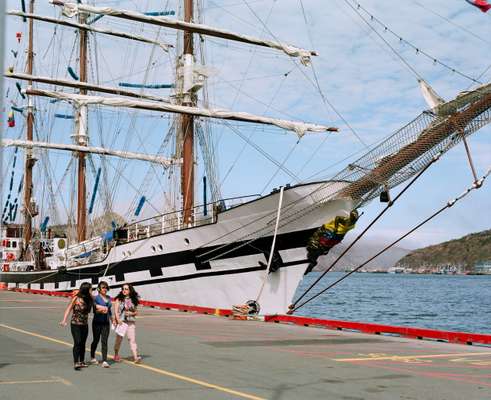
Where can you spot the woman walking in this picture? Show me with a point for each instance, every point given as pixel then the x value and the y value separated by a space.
pixel 125 316
pixel 80 306
pixel 101 323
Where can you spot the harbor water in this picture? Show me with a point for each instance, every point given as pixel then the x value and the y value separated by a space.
pixel 446 302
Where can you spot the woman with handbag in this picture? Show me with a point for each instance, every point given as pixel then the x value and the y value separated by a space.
pixel 80 306
pixel 125 317
pixel 101 323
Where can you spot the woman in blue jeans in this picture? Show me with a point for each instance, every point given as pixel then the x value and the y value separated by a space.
pixel 101 323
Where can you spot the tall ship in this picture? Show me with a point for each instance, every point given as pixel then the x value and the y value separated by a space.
pixel 91 143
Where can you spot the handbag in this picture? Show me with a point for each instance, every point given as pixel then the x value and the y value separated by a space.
pixel 121 329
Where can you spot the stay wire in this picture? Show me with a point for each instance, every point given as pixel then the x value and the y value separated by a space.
pixel 437 156
pixel 449 204
pixel 462 28
pixel 401 39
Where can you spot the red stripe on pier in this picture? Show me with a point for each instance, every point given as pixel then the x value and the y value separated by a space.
pixel 403 331
pixel 377 329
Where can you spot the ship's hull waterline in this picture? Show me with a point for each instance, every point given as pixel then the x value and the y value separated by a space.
pixel 216 265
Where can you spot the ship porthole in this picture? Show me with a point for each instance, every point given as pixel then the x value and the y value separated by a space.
pixel 186 240
pixel 153 249
pixel 161 248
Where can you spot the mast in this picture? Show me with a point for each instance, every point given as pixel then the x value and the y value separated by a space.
pixel 187 121
pixel 81 138
pixel 29 206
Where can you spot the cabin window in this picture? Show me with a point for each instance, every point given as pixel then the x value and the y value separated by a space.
pixel 186 240
pixel 161 248
pixel 14 245
pixel 153 249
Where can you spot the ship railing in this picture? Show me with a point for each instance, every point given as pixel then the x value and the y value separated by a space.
pixel 173 221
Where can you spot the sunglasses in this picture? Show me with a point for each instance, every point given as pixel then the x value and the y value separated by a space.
pixel 126 288
pixel 104 287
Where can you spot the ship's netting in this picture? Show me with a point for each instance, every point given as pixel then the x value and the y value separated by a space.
pixel 411 149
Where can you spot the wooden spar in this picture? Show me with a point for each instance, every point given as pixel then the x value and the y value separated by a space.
pixel 165 162
pixel 63 22
pixel 29 211
pixel 426 141
pixel 299 127
pixel 82 139
pixel 187 121
pixel 189 27
pixel 84 85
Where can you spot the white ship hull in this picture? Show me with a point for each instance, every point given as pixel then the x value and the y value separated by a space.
pixel 218 265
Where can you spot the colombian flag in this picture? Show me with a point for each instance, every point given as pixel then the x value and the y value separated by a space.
pixel 483 5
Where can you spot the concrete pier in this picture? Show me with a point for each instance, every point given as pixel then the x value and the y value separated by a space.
pixel 195 356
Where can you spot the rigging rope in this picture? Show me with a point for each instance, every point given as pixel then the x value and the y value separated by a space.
pixel 401 39
pixel 462 28
pixel 450 203
pixel 389 205
pixel 280 167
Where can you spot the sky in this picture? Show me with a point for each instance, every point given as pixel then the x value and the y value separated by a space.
pixel 357 83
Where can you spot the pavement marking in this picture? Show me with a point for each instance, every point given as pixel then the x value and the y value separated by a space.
pixel 54 379
pixel 147 367
pixel 195 381
pixel 37 335
pixel 402 358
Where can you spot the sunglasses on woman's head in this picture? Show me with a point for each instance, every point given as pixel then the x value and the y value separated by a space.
pixel 104 287
pixel 126 288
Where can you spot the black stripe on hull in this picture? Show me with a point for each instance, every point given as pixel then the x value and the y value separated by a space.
pixel 154 264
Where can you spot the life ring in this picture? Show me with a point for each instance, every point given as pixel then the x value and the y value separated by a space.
pixel 10 256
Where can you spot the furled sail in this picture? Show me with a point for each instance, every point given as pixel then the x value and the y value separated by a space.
pixel 165 162
pixel 163 46
pixel 300 128
pixel 72 9
pixel 430 96
pixel 83 85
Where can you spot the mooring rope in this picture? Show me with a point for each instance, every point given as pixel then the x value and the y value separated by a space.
pixel 293 307
pixel 450 203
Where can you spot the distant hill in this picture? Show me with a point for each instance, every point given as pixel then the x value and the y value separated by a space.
pixel 98 225
pixel 463 253
pixel 359 254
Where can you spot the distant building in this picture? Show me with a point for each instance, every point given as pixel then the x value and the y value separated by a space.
pixel 483 267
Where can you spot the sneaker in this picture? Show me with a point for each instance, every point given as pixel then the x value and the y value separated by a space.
pixel 94 361
pixel 105 364
pixel 83 364
pixel 138 360
pixel 77 367
pixel 117 358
